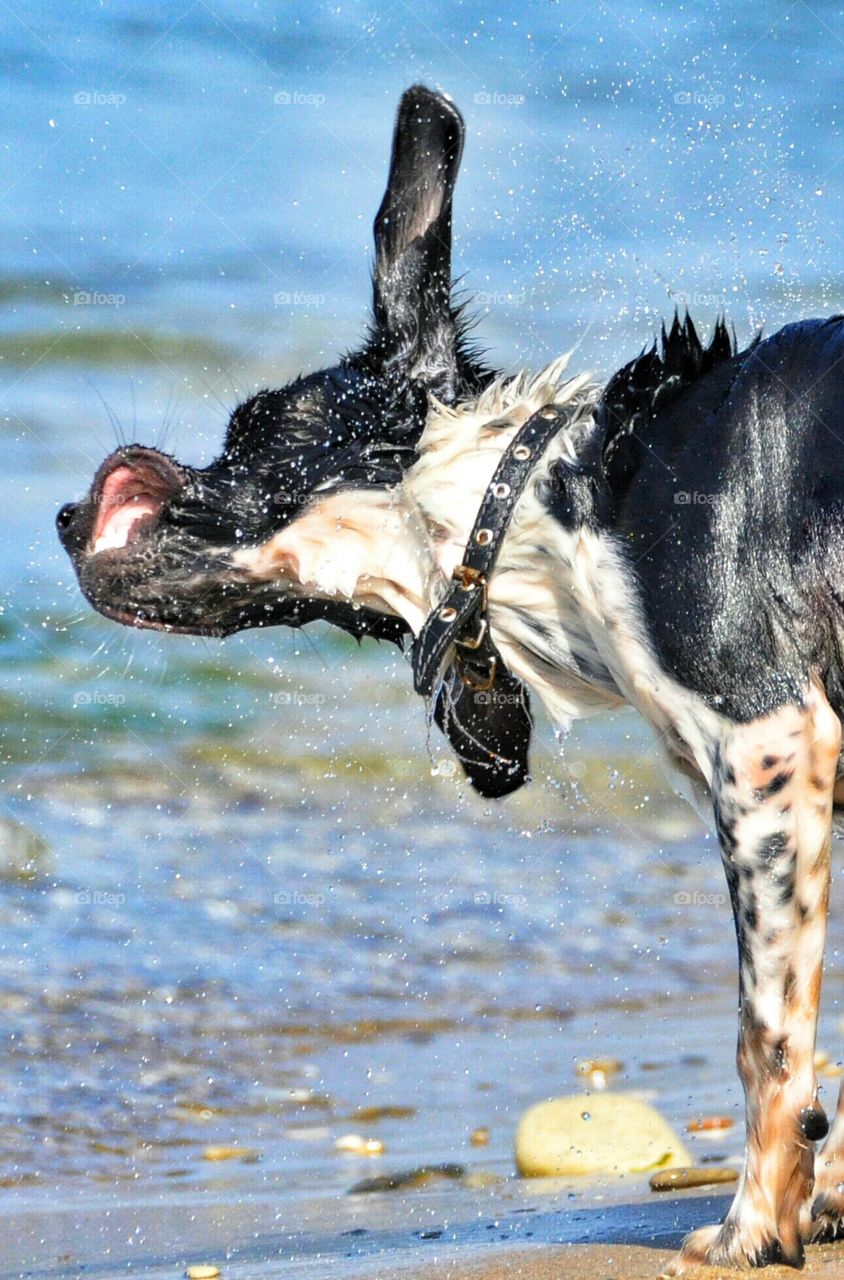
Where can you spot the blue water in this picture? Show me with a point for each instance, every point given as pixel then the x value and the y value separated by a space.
pixel 223 860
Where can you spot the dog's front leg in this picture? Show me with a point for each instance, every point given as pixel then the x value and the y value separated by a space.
pixel 824 1218
pixel 772 789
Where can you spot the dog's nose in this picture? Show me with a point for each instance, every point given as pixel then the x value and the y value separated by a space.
pixel 64 519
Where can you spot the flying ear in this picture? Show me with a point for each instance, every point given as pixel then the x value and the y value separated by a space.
pixel 415 323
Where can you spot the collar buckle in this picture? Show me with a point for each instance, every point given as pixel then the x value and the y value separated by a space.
pixel 468 579
pixel 475 641
pixel 474 679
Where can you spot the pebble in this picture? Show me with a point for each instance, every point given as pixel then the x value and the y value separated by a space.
pixel 418 1177
pixel 710 1125
pixel 202 1272
pixel 604 1133
pixel 368 1115
pixel 355 1144
pixel 824 1065
pixel 248 1154
pixel 195 1111
pixel 483 1178
pixel 832 1070
pixel 599 1071
pixel 609 1066
pixel 479 1137
pixel 23 854
pixel 676 1179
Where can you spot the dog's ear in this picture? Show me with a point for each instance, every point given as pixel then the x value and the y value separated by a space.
pixel 415 324
pixel 490 733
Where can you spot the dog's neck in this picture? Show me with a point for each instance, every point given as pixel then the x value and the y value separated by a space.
pixel 393 550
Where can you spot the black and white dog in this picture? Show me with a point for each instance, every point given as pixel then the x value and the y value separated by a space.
pixel 678 546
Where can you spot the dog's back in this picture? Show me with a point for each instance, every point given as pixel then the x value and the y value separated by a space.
pixel 730 505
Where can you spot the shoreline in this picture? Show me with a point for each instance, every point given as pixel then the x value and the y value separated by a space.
pixel 496 1234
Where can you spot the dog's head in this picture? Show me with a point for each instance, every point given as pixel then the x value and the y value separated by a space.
pixel 160 545
pixel 155 543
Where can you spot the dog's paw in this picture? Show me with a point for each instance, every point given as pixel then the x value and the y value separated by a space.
pixel 731 1246
pixel 823 1219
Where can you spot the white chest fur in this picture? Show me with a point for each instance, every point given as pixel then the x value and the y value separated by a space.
pixel 563 604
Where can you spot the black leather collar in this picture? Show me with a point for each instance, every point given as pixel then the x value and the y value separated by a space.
pixel 459 622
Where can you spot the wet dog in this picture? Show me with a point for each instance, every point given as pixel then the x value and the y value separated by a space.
pixel 679 547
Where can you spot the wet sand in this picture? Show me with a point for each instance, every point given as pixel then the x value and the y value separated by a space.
pixel 291 1214
pixel 613 1262
pixel 511 1230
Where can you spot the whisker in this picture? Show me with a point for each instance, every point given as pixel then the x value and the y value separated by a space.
pixel 310 640
pixel 134 409
pixel 167 422
pixel 211 395
pixel 112 417
pixel 229 374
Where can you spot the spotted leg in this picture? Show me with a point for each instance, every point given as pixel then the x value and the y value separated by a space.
pixel 772 789
pixel 824 1217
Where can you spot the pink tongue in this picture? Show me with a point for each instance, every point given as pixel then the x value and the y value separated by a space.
pixel 118 524
pixel 124 501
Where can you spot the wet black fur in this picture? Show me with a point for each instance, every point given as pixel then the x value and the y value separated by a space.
pixel 356 424
pixel 720 475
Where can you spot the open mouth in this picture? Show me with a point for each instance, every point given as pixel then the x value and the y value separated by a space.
pixel 131 496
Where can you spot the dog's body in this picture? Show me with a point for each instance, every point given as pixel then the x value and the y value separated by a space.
pixel 679 548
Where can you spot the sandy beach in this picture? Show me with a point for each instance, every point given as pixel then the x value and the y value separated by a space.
pixel 508 1231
